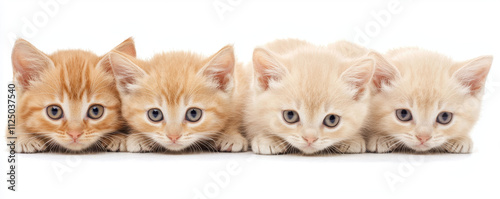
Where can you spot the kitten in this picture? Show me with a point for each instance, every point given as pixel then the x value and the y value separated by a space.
pixel 309 98
pixel 65 100
pixel 179 100
pixel 424 101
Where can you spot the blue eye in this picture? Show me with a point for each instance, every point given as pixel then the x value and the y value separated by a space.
pixel 193 114
pixel 291 116
pixel 54 112
pixel 331 120
pixel 444 117
pixel 155 115
pixel 404 115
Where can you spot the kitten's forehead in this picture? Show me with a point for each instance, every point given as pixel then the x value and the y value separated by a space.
pixel 78 75
pixel 174 77
pixel 426 77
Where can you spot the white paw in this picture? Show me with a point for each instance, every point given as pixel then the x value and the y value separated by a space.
pixel 32 146
pixel 379 145
pixel 267 146
pixel 232 143
pixel 117 144
pixel 136 144
pixel 459 146
pixel 352 146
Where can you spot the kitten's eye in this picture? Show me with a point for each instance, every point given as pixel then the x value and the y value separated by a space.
pixel 54 112
pixel 155 115
pixel 331 120
pixel 193 114
pixel 95 111
pixel 291 116
pixel 444 117
pixel 404 115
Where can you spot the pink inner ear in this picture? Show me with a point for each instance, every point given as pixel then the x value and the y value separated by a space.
pixel 359 75
pixel 473 74
pixel 474 79
pixel 267 67
pixel 384 75
pixel 28 64
pixel 127 47
pixel 220 67
pixel 221 76
pixel 23 71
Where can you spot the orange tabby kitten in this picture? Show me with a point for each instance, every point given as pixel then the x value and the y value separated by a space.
pixel 178 100
pixel 66 100
pixel 308 98
pixel 424 101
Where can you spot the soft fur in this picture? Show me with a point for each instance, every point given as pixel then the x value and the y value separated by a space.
pixel 173 82
pixel 72 80
pixel 426 83
pixel 314 81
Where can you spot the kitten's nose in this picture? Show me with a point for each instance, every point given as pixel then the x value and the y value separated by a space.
pixel 423 138
pixel 75 134
pixel 310 139
pixel 174 138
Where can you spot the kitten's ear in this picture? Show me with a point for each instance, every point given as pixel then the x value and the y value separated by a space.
pixel 220 68
pixel 359 76
pixel 28 62
pixel 385 73
pixel 268 68
pixel 473 73
pixel 125 71
pixel 127 47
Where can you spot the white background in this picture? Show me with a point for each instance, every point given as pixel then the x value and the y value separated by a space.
pixel 460 29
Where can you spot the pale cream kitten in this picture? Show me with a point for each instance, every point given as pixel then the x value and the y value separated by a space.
pixel 425 101
pixel 308 97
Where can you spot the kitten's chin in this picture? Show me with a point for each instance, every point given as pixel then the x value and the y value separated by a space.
pixel 309 150
pixel 175 147
pixel 76 146
pixel 421 147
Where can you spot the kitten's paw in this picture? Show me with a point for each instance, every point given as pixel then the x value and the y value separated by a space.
pixel 459 146
pixel 267 146
pixel 352 146
pixel 32 146
pixel 232 143
pixel 117 143
pixel 378 144
pixel 136 144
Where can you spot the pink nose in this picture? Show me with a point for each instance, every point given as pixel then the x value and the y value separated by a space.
pixel 423 138
pixel 75 134
pixel 310 139
pixel 173 137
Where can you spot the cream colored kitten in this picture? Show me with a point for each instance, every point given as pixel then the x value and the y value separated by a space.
pixel 180 100
pixel 424 101
pixel 308 98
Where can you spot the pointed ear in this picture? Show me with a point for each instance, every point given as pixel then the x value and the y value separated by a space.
pixel 267 67
pixel 473 73
pixel 127 47
pixel 125 71
pixel 359 76
pixel 28 62
pixel 385 73
pixel 220 68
